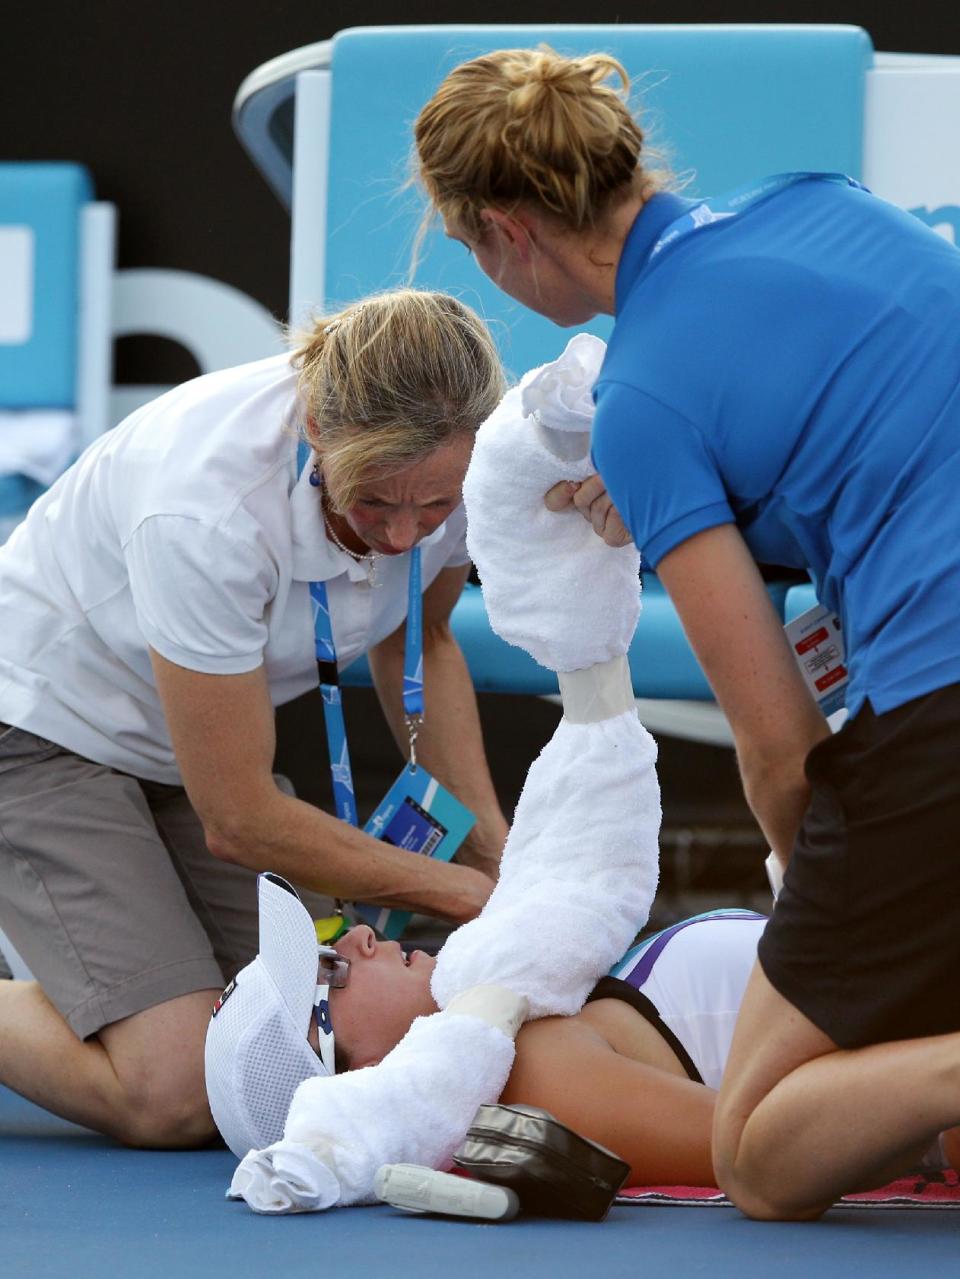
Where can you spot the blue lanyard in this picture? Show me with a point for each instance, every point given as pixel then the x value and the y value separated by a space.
pixel 719 208
pixel 344 798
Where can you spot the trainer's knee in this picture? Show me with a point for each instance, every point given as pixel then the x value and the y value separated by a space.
pixel 756 1193
pixel 156 1118
pixel 157 1059
pixel 161 1103
pixel 745 1177
pixel 767 1203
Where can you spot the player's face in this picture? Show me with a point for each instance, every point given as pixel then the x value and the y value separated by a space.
pixel 388 987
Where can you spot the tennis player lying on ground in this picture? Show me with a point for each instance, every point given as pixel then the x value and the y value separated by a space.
pixel 627 1071
pixel 635 1070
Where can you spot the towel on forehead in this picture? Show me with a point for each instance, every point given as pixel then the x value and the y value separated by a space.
pixel 580 866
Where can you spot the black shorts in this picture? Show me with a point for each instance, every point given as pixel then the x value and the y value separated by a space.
pixel 865 936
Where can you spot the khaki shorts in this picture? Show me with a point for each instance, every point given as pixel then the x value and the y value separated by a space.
pixel 107 889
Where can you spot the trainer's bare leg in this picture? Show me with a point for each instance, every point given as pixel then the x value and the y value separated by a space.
pixel 800 1122
pixel 139 1080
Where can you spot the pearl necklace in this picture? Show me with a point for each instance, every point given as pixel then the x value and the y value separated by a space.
pixel 368 560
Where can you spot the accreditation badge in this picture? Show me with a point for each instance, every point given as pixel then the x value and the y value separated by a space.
pixel 817 642
pixel 420 815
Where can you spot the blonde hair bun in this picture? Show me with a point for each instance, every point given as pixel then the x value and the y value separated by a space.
pixel 529 125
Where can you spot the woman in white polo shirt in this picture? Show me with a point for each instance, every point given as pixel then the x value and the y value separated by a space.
pixel 156 607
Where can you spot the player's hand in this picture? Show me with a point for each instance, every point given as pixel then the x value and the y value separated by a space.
pixel 593 502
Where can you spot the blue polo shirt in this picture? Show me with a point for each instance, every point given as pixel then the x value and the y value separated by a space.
pixel 796 370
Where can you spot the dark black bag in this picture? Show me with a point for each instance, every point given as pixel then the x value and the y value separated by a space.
pixel 555 1171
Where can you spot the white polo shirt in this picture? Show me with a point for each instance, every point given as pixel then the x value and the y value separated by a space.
pixel 186 528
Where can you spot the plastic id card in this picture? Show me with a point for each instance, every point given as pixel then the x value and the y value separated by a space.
pixel 817 642
pixel 418 814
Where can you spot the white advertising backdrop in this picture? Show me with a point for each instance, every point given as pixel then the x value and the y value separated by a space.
pixel 912 139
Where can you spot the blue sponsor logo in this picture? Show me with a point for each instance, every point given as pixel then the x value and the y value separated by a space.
pixel 945 215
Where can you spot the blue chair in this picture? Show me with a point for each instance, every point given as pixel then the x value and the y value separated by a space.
pixel 726 102
pixel 56 261
pixel 662 664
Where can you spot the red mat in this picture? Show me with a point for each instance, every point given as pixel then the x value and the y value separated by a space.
pixel 934 1190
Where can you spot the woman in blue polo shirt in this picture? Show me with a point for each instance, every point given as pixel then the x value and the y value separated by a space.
pixel 782 386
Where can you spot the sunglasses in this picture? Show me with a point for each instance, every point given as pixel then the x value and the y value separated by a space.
pixel 333 973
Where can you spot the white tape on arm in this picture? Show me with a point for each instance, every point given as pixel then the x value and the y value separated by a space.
pixel 598 692
pixel 774 874
pixel 496 1005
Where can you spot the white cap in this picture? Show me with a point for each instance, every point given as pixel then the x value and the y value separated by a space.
pixel 257 1051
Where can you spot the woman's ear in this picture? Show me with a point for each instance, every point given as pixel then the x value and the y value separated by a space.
pixel 514 232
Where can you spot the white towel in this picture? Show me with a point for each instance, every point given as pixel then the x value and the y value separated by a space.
pixel 414 1107
pixel 578 875
pixel 550 585
pixel 581 863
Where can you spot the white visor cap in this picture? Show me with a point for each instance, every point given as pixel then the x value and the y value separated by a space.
pixel 256 1052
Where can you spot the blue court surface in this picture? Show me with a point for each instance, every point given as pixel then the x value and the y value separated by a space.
pixel 75 1204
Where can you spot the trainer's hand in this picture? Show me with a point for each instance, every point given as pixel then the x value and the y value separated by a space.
pixel 474 892
pixel 483 847
pixel 595 505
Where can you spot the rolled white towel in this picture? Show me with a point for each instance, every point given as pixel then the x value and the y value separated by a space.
pixel 286 1177
pixel 581 861
pixel 578 875
pixel 413 1107
pixel 551 586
